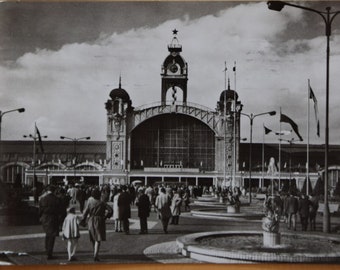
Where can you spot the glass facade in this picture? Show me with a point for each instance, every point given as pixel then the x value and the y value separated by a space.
pixel 171 141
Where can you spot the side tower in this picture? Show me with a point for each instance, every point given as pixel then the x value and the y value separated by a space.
pixel 118 108
pixel 228 143
pixel 174 72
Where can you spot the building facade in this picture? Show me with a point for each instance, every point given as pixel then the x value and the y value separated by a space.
pixel 172 140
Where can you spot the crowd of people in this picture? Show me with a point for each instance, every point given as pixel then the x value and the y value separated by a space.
pixel 57 211
pixel 290 207
pixel 57 207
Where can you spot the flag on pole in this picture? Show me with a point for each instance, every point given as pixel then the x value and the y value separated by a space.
pixel 225 66
pixel 234 68
pixel 286 119
pixel 39 138
pixel 312 96
pixel 267 130
pixel 283 132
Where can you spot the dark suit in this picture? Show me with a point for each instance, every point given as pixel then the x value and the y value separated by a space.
pixel 124 209
pixel 292 208
pixel 50 211
pixel 143 204
pixel 304 204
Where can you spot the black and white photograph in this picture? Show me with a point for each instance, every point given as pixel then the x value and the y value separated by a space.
pixel 169 132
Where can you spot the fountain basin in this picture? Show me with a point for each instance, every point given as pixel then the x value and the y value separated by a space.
pixel 247 247
pixel 222 213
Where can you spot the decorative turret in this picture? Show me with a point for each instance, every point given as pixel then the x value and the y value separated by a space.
pixel 118 108
pixel 229 109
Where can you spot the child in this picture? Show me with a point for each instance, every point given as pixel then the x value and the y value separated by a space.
pixel 71 232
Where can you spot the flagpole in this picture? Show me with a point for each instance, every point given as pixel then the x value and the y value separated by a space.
pixel 234 150
pixel 307 165
pixel 34 151
pixel 280 154
pixel 263 155
pixel 225 121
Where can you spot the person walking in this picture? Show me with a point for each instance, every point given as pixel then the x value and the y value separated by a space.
pixel 98 211
pixel 151 194
pixel 49 213
pixel 292 208
pixel 186 199
pixel 175 207
pixel 162 204
pixel 71 232
pixel 144 206
pixel 72 192
pixel 304 211
pixel 81 198
pixel 118 223
pixel 124 208
pixel 313 209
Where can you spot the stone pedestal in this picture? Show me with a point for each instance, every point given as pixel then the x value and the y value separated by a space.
pixel 271 239
pixel 233 209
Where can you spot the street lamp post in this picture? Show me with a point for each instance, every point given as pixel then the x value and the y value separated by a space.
pixel 328 18
pixel 20 110
pixel 251 118
pixel 74 140
pixel 35 138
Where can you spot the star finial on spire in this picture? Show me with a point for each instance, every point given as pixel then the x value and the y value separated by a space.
pixel 175 31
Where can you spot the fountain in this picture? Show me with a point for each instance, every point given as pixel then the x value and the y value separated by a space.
pixel 268 245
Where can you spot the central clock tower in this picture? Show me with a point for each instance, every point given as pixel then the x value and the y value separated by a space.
pixel 174 72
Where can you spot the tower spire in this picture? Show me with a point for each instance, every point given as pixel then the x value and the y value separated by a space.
pixel 228 83
pixel 120 81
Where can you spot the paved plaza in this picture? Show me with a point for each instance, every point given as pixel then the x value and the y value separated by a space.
pixel 24 245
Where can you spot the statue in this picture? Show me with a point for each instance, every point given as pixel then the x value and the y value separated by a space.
pixel 272 169
pixel 273 207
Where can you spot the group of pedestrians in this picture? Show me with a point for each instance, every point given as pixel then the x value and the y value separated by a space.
pixel 304 206
pixel 57 209
pixel 55 215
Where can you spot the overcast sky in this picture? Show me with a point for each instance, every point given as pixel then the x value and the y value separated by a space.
pixel 61 60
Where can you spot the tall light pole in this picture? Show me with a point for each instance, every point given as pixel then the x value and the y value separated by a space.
pixel 251 118
pixel 35 137
pixel 20 110
pixel 74 140
pixel 328 18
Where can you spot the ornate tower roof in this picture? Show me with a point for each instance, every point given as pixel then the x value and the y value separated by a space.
pixel 120 93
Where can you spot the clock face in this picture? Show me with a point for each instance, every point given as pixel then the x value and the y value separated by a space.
pixel 173 68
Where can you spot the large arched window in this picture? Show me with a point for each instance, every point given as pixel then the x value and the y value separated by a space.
pixel 174 140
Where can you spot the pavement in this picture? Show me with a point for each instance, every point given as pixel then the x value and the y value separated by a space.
pixel 24 245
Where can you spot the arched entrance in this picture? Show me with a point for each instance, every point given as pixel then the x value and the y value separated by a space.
pixel 173 141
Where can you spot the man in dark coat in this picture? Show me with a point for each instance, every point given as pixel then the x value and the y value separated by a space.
pixel 144 205
pixel 313 209
pixel 292 208
pixel 304 204
pixel 49 212
pixel 124 206
pixel 81 198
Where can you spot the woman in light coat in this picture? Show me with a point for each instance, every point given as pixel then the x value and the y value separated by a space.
pixel 118 223
pixel 162 204
pixel 175 207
